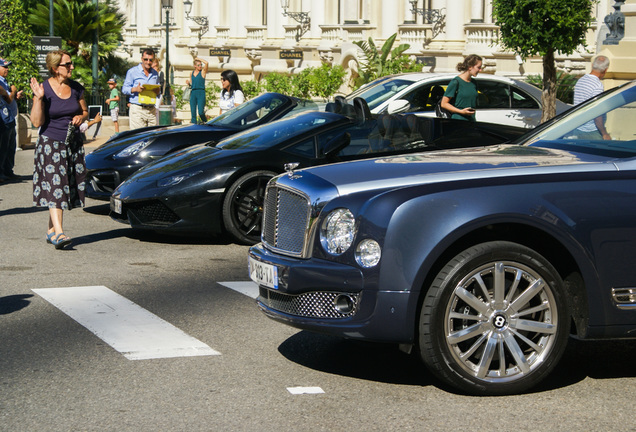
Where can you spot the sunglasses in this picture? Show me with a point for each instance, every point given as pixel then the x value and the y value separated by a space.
pixel 67 65
pixel 147 59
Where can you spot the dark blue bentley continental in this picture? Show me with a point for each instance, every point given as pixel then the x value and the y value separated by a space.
pixel 483 260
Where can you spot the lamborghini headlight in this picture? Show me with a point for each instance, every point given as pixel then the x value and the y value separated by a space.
pixel 133 149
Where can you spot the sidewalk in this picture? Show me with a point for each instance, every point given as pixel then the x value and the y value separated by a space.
pixel 106 130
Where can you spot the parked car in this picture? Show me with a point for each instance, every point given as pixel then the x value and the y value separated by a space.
pixel 501 100
pixel 122 155
pixel 218 188
pixel 483 260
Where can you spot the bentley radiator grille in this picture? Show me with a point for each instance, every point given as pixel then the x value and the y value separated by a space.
pixel 152 213
pixel 311 305
pixel 286 220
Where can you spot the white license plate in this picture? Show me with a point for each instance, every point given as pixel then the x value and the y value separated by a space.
pixel 263 274
pixel 115 205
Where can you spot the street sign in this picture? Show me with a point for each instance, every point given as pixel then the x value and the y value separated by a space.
pixel 44 44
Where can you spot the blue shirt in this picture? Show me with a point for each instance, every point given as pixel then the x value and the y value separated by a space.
pixel 134 77
pixel 13 106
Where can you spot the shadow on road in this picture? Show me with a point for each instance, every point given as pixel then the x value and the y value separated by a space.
pixel 14 303
pixel 22 210
pixel 384 363
pixel 147 236
pixel 373 362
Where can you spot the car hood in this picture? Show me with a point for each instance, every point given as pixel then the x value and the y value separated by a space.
pixel 449 165
pixel 118 144
pixel 191 162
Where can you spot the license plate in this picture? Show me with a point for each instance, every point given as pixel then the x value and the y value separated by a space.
pixel 263 274
pixel 115 205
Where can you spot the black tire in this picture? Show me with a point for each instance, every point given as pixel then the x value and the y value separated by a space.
pixel 243 206
pixel 487 341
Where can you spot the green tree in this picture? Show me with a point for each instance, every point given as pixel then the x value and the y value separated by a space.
pixel 543 27
pixel 75 22
pixel 16 45
pixel 377 63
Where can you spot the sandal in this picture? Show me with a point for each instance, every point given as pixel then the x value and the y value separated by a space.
pixel 59 243
pixel 49 237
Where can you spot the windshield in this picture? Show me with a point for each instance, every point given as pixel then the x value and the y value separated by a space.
pixel 250 112
pixel 603 123
pixel 271 134
pixel 379 91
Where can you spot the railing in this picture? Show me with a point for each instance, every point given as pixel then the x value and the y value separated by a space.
pixel 255 36
pixel 481 38
pixel 416 35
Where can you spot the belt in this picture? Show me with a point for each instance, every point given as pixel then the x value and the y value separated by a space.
pixel 145 106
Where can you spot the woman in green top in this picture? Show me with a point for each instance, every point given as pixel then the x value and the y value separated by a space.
pixel 462 90
pixel 197 95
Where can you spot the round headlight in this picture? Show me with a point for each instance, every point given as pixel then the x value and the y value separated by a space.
pixel 338 231
pixel 368 253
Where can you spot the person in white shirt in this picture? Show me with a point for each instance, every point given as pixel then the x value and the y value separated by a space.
pixel 587 87
pixel 232 93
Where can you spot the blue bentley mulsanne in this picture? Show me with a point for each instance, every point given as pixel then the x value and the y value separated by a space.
pixel 483 260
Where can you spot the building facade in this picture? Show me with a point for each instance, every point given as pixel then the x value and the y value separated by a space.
pixel 254 37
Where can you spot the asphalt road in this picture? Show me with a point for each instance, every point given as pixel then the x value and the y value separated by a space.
pixel 57 375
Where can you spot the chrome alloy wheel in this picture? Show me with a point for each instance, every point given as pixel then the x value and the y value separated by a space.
pixel 500 321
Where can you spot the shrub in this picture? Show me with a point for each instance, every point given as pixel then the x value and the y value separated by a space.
pixel 251 88
pixel 564 85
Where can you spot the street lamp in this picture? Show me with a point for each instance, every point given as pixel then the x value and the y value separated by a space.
pixel 201 20
pixel 167 6
pixel 430 16
pixel 300 17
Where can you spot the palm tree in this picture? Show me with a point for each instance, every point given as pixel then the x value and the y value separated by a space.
pixel 377 63
pixel 76 21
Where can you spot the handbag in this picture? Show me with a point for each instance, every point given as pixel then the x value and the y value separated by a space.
pixel 72 141
pixel 186 93
pixel 441 112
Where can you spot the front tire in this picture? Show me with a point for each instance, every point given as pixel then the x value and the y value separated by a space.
pixel 495 320
pixel 243 206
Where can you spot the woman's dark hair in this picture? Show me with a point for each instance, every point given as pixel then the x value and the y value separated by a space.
pixel 468 62
pixel 232 77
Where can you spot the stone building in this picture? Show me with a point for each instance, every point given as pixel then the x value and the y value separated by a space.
pixel 254 37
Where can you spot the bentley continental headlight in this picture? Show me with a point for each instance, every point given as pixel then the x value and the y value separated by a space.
pixel 368 253
pixel 338 231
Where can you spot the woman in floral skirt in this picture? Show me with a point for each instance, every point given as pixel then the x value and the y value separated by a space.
pixel 58 110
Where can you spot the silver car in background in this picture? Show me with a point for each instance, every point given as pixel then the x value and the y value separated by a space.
pixel 501 100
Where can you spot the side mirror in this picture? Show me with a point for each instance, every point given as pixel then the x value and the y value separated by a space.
pixel 333 147
pixel 398 106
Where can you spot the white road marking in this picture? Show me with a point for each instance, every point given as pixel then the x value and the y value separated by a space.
pixel 249 288
pixel 304 390
pixel 122 324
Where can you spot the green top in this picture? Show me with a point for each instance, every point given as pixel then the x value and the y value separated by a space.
pixel 198 82
pixel 113 94
pixel 463 95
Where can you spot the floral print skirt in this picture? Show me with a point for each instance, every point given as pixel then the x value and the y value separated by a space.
pixel 59 175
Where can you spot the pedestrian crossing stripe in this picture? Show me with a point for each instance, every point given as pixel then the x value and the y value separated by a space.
pixel 122 324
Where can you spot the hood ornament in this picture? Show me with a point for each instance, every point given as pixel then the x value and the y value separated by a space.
pixel 289 168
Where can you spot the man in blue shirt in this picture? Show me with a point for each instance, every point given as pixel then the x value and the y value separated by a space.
pixel 7 124
pixel 142 110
